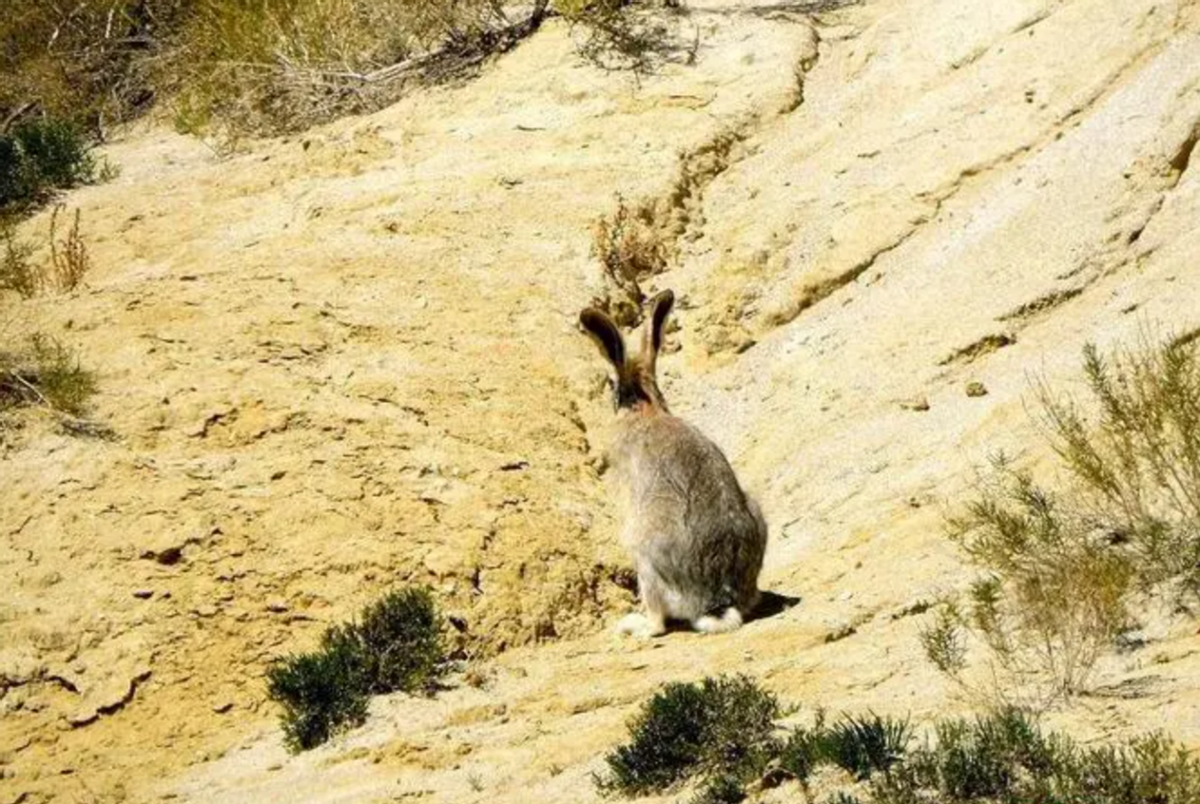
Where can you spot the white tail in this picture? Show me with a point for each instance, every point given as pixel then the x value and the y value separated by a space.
pixel 730 620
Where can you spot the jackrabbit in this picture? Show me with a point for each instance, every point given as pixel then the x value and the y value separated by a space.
pixel 697 538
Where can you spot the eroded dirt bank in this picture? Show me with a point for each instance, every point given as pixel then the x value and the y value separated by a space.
pixel 350 359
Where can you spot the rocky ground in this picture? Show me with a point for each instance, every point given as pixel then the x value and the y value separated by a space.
pixel 348 360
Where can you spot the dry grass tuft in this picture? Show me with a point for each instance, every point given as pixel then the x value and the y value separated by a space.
pixel 69 259
pixel 631 248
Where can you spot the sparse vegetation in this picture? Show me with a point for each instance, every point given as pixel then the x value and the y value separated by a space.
pixel 268 66
pixel 1060 568
pixel 44 373
pixel 1000 757
pixel 69 259
pixel 395 645
pixel 17 271
pixel 631 248
pixel 68 263
pixel 39 156
pixel 1006 757
pixel 720 729
pixel 620 35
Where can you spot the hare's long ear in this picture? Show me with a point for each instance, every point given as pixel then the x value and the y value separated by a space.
pixel 652 340
pixel 605 332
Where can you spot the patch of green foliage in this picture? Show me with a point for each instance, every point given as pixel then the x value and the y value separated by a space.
pixel 719 735
pixel 720 729
pixel 1006 757
pixel 40 156
pixel 394 645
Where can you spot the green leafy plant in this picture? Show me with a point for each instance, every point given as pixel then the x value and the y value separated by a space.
pixel 720 729
pixel 321 693
pixel 395 645
pixel 1003 757
pixel 39 156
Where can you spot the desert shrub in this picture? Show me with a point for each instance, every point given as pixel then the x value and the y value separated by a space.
pixel 861 746
pixel 1060 568
pixel 1135 452
pixel 864 745
pixel 232 67
pixel 399 642
pixel 1053 597
pixel 45 373
pixel 1006 757
pixel 322 693
pixel 282 65
pixel 719 729
pixel 626 35
pixel 83 62
pixel 39 156
pixel 68 263
pixel 394 645
pixel 1003 757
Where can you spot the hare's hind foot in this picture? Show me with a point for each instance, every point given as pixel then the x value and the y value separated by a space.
pixel 642 626
pixel 730 620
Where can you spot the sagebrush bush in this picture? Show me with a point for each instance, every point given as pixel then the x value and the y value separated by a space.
pixel 1006 757
pixel 322 693
pixel 720 729
pixel 38 157
pixel 1060 567
pixel 1000 758
pixel 395 645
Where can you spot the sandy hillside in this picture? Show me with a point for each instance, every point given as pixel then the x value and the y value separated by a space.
pixel 348 360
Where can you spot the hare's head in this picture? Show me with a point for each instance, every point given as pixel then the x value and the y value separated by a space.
pixel 636 384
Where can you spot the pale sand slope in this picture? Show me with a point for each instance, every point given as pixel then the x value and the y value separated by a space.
pixel 350 359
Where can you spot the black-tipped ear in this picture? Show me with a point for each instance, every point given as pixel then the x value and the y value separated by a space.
pixel 602 328
pixel 660 308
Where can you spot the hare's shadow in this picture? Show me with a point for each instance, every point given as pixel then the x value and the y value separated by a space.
pixel 770 604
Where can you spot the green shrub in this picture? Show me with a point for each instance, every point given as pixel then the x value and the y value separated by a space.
pixel 1135 452
pixel 720 729
pixel 1005 757
pixel 864 745
pixel 321 693
pixel 395 645
pixel 38 157
pixel 1000 758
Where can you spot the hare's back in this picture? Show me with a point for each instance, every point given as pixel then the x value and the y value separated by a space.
pixel 669 459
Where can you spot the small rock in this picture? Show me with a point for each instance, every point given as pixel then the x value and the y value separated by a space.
pixel 221 707
pixel 916 403
pixel 840 632
pixel 276 606
pixel 143 594
pixel 207 610
pixel 976 389
pixel 274 766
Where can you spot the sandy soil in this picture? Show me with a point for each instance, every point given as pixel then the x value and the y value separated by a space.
pixel 348 360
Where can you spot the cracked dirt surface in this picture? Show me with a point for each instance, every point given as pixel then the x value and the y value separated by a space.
pixel 347 360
